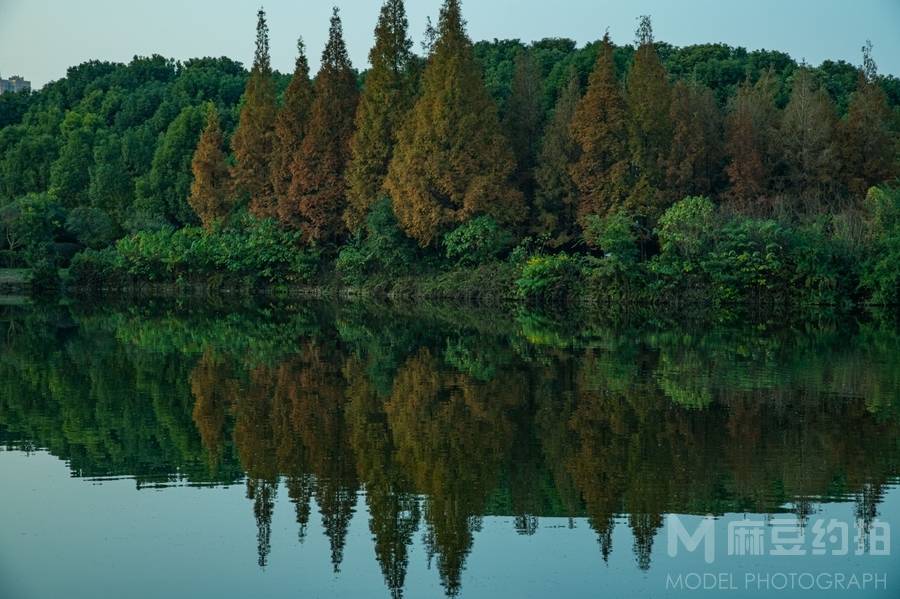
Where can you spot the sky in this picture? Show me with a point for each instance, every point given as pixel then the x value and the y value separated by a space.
pixel 39 39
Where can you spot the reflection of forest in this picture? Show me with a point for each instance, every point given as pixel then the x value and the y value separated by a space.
pixel 443 418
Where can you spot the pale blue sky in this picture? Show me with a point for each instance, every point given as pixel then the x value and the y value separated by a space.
pixel 39 39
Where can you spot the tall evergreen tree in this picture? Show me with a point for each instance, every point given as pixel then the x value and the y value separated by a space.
pixel 648 97
pixel 252 141
pixel 319 181
pixel 751 137
pixel 452 161
pixel 696 155
pixel 556 195
pixel 386 99
pixel 868 146
pixel 599 129
pixel 807 138
pixel 524 119
pixel 210 188
pixel 291 126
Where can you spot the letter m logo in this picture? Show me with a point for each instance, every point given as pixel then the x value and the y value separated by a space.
pixel 678 535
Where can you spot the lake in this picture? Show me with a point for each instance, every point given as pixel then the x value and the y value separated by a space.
pixel 184 449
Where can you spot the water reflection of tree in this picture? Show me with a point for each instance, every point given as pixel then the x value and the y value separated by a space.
pixel 452 434
pixel 445 423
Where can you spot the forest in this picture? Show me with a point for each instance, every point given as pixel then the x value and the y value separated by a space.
pixel 613 173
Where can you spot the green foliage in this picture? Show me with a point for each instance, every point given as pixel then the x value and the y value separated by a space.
pixel 382 249
pixel 549 278
pixel 614 234
pixel 685 228
pixel 881 269
pixel 253 250
pixel 478 241
pixel 30 225
pixel 163 192
pixel 91 226
pixel 740 259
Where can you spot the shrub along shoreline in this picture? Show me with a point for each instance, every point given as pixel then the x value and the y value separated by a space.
pixel 699 255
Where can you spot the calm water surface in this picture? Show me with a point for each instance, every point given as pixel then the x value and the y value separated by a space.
pixel 169 450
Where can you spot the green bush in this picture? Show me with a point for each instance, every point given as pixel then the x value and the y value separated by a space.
pixel 880 277
pixel 748 261
pixel 382 249
pixel 549 278
pixel 478 241
pixel 615 235
pixel 28 227
pixel 253 250
pixel 824 269
pixel 685 229
pixel 91 226
pixel 881 272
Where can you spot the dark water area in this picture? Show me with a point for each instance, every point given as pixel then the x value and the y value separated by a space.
pixel 353 450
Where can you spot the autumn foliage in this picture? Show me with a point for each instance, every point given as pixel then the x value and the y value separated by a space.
pixel 291 125
pixel 385 101
pixel 452 161
pixel 210 191
pixel 252 142
pixel 599 127
pixel 318 183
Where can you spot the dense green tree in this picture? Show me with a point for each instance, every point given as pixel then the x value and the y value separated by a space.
pixel 91 226
pixel 28 227
pixel 252 141
pixel 161 195
pixel 386 98
pixel 70 175
pixel 112 187
pixel 291 125
pixel 452 162
pixel 211 188
pixel 556 196
pixel 319 184
pixel 599 127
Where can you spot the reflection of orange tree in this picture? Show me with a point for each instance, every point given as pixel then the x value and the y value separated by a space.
pixel 313 382
pixel 602 428
pixel 255 442
pixel 213 392
pixel 393 505
pixel 452 436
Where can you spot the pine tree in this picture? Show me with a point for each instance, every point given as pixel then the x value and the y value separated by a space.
pixel 751 138
pixel 807 138
pixel 599 129
pixel 290 129
pixel 556 196
pixel 868 147
pixel 451 161
pixel 210 188
pixel 524 119
pixel 319 181
pixel 648 97
pixel 252 141
pixel 386 99
pixel 696 156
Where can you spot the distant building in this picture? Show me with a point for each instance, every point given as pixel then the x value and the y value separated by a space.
pixel 14 84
